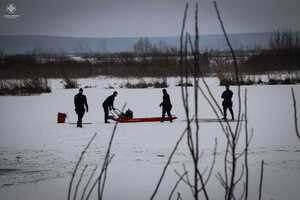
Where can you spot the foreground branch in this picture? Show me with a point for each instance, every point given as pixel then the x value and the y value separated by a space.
pixel 77 165
pixel 261 179
pixel 295 113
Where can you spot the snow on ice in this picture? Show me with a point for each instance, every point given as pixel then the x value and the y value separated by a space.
pixel 37 155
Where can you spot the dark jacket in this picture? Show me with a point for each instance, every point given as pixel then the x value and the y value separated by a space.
pixel 166 104
pixel 227 96
pixel 109 102
pixel 79 103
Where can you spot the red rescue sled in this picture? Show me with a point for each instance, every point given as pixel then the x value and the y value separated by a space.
pixel 144 119
pixel 121 117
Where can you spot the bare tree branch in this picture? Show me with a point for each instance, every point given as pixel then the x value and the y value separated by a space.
pixel 295 113
pixel 176 185
pixel 212 164
pixel 240 177
pixel 221 180
pixel 226 168
pixel 79 181
pixel 181 49
pixel 243 193
pixel 234 135
pixel 105 162
pixel 261 179
pixel 187 181
pixel 239 155
pixel 105 175
pixel 246 147
pixel 179 196
pixel 167 164
pixel 87 184
pixel 77 165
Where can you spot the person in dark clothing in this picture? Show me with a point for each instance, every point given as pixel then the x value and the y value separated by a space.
pixel 166 106
pixel 108 104
pixel 227 102
pixel 80 101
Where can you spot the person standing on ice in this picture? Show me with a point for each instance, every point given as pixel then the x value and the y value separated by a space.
pixel 80 102
pixel 166 106
pixel 227 102
pixel 108 104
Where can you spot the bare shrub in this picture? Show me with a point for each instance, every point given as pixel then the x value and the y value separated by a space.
pixel 287 79
pixel 24 87
pixel 160 84
pixel 70 83
pixel 229 79
pixel 143 84
pixel 272 79
pixel 140 84
pixel 184 84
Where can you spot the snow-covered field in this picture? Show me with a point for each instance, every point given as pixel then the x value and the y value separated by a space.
pixel 37 155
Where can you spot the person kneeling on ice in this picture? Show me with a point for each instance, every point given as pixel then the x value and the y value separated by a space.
pixel 79 102
pixel 108 104
pixel 227 102
pixel 166 106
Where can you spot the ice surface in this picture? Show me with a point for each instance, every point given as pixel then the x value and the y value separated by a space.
pixel 37 155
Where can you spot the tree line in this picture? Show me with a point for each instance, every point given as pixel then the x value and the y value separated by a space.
pixel 148 59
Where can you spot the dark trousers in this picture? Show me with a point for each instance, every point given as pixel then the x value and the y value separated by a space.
pixel 164 111
pixel 225 111
pixel 80 116
pixel 105 108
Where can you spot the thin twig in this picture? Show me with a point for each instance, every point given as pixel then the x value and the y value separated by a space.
pixel 261 179
pixel 295 113
pixel 221 180
pixel 217 115
pixel 181 47
pixel 240 177
pixel 233 148
pixel 235 64
pixel 196 74
pixel 240 129
pixel 239 155
pixel 210 95
pixel 243 193
pixel 176 185
pixel 212 164
pixel 190 140
pixel 79 181
pixel 226 169
pixel 87 184
pixel 105 175
pixel 167 164
pixel 246 147
pixel 213 107
pixel 106 160
pixel 187 181
pixel 77 165
pixel 179 196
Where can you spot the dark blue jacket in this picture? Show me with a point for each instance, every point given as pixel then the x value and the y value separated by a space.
pixel 227 96
pixel 79 103
pixel 109 102
pixel 166 104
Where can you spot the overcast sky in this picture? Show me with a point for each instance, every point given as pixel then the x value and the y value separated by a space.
pixel 131 18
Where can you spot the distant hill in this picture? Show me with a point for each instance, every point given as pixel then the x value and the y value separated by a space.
pixel 17 44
